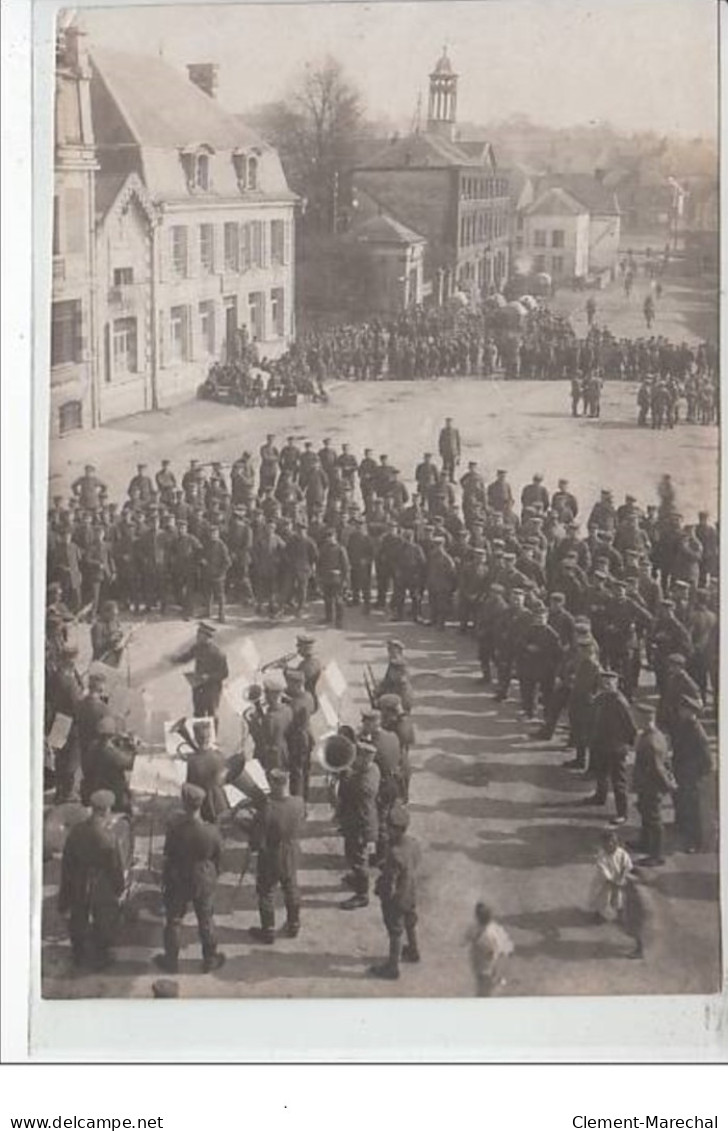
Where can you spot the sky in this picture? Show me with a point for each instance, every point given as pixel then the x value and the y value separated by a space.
pixel 637 64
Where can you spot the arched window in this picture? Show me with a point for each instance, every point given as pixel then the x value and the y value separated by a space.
pixel 202 172
pixel 240 164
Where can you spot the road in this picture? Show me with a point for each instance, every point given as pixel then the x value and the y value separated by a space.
pixel 497 816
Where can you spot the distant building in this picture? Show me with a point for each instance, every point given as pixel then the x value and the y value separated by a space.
pixel 195 230
pixel 73 306
pixel 395 257
pixel 701 230
pixel 451 192
pixel 567 224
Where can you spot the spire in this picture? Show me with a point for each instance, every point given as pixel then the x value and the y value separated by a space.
pixel 442 112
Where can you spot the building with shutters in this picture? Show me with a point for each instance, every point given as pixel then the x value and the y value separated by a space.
pixel 194 223
pixel 73 301
pixel 448 190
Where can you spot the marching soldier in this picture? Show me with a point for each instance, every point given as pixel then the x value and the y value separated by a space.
pixel 388 760
pixel 395 720
pixel 275 837
pixel 396 887
pixel 92 882
pixel 192 864
pixel 396 682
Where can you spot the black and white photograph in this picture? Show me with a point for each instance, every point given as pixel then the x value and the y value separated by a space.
pixel 379 554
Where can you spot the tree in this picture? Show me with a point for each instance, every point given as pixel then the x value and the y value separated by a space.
pixel 314 131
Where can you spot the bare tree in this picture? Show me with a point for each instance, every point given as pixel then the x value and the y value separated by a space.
pixel 315 131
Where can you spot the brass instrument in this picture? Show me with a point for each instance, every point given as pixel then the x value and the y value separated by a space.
pixel 280 663
pixel 187 745
pixel 335 752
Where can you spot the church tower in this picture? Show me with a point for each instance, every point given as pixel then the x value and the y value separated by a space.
pixel 442 111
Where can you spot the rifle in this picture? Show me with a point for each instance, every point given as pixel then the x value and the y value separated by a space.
pixel 370 684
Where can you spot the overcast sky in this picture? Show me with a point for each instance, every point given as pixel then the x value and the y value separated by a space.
pixel 639 64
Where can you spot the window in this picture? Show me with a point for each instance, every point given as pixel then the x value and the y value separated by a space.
pixel 240 164
pixel 125 345
pixel 277 241
pixel 539 263
pixel 256 309
pixel 253 173
pixel 557 264
pixel 202 172
pixel 277 311
pixel 56 226
pixel 123 276
pixel 70 417
pixel 207 249
pixel 74 216
pixel 232 247
pixel 207 327
pixel 178 333
pixel 66 329
pixel 256 248
pixel 539 239
pixel 557 238
pixel 178 236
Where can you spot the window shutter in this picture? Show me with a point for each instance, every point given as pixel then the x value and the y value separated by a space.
pixel 190 332
pixel 161 358
pixel 287 238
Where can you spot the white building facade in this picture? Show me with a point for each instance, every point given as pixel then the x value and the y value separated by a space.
pixel 195 231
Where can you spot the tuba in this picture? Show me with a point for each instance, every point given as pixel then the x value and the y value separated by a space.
pixel 335 752
pixel 187 744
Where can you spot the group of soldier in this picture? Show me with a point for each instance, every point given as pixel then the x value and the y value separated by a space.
pixel 574 617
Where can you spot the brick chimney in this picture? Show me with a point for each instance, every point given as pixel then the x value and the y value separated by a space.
pixel 204 75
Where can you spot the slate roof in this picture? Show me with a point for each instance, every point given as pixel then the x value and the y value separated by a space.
pixel 385 229
pixel 596 197
pixel 555 202
pixel 421 150
pixel 163 108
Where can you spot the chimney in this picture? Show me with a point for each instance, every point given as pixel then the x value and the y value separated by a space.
pixel 205 76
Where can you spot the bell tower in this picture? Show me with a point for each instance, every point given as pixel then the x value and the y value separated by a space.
pixel 442 110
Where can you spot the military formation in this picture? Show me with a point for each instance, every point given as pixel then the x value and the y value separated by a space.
pixel 570 606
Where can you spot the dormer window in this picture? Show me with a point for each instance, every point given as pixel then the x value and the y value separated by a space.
pixel 246 169
pixel 196 165
pixel 253 173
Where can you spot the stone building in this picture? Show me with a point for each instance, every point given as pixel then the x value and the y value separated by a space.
pixel 395 259
pixel 449 191
pixel 73 305
pixel 195 233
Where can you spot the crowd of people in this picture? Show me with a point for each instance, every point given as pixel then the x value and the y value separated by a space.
pixel 572 607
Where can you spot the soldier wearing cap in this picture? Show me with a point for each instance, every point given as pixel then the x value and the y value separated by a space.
pixel 396 887
pixel 409 567
pixel 166 484
pixel 275 724
pixel 357 817
pixel 211 671
pixel 334 575
pixel 624 620
pixel 206 769
pixel 309 664
pixel 275 837
pixel 108 761
pixel 142 484
pixel 396 678
pixel 535 494
pixel 651 780
pixel 511 628
pixel 538 661
pixel 92 882
pixel 613 732
pixel 488 613
pixel 499 494
pixel 269 456
pixel 448 445
pixel 215 565
pixel 666 637
pixel 440 582
pixel 564 502
pixel 192 864
pixel 299 738
pixel 64 694
pixel 692 765
pixel 107 635
pixel 87 489
pixel 395 720
pixel 361 551
pixel 388 759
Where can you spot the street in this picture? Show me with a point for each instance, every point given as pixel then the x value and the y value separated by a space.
pixel 496 815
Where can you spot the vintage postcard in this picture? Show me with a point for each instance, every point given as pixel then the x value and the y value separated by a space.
pixel 382 519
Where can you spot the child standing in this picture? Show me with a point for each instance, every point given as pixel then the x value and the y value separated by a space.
pixel 489 946
pixel 613 866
